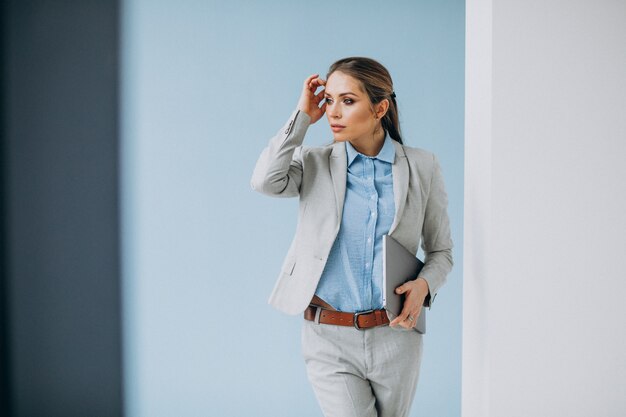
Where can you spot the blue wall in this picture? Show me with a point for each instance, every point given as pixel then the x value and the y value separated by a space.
pixel 205 85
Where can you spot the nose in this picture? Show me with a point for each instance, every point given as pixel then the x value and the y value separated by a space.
pixel 333 111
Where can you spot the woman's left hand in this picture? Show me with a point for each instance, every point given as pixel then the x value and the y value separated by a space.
pixel 415 292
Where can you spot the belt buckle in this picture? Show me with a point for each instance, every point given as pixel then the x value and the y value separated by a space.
pixel 356 316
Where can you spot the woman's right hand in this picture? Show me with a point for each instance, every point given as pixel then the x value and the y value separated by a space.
pixel 309 101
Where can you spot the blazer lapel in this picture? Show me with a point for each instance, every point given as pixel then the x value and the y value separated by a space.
pixel 339 172
pixel 400 171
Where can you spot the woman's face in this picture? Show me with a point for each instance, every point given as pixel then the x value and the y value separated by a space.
pixel 348 106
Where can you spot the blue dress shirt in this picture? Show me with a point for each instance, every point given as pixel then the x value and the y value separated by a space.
pixel 353 275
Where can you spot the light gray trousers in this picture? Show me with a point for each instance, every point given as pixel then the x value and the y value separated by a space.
pixel 362 373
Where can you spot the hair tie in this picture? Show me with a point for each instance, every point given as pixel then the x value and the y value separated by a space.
pixel 393 94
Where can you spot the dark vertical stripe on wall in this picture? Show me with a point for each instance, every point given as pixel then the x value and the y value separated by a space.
pixel 61 306
pixel 5 392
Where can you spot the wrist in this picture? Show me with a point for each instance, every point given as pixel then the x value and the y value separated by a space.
pixel 422 283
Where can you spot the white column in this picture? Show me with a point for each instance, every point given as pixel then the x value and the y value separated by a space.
pixel 545 209
pixel 477 207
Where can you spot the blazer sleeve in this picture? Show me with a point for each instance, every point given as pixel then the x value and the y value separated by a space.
pixel 278 171
pixel 436 240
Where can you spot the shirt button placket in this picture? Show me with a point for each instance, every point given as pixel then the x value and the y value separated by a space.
pixel 371 227
pixel 373 204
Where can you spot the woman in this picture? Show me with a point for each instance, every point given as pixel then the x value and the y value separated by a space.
pixel 352 192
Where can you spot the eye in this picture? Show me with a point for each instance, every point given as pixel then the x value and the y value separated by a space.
pixel 347 100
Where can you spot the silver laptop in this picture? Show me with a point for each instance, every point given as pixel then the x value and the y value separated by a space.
pixel 399 266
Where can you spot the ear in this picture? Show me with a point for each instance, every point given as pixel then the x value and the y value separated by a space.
pixel 381 108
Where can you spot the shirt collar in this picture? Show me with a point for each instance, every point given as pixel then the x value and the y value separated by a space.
pixel 387 152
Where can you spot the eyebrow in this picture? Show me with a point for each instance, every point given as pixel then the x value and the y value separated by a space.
pixel 342 94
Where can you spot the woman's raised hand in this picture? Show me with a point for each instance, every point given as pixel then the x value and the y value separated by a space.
pixel 309 101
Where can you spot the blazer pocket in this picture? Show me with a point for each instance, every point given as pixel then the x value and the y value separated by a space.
pixel 289 266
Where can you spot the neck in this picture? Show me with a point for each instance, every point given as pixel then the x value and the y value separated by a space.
pixel 369 147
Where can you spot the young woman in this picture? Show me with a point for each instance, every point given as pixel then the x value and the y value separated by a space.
pixel 352 192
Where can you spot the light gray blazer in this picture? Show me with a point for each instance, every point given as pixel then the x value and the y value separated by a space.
pixel 317 175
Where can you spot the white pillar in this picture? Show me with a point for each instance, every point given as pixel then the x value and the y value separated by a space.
pixel 545 209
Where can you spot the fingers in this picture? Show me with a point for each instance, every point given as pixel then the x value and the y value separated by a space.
pixel 402 288
pixel 404 314
pixel 313 81
pixel 309 101
pixel 308 80
pixel 406 323
pixel 403 319
pixel 412 304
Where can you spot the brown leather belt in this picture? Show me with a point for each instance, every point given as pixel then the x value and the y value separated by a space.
pixel 361 320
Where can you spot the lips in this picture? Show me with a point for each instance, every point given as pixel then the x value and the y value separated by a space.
pixel 337 126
